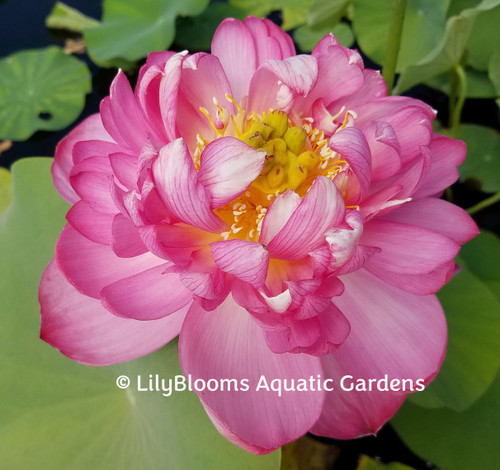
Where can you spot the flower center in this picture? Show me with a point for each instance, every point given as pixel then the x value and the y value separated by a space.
pixel 296 153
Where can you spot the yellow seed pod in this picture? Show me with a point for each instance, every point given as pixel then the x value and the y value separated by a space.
pixel 276 176
pixel 308 159
pixel 254 139
pixel 262 128
pixel 296 175
pixel 277 148
pixel 295 138
pixel 278 120
pixel 268 164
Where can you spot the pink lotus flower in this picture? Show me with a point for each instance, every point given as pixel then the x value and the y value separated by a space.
pixel 277 211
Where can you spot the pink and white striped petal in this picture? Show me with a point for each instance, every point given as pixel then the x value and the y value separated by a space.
pixel 228 166
pixel 244 259
pixel 176 179
pixel 321 208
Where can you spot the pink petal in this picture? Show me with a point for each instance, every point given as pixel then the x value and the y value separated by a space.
pixel 125 169
pixel 177 182
pixel 271 42
pixel 148 295
pixel 374 87
pixel 227 344
pixel 321 208
pixel 437 215
pixel 243 259
pixel 91 180
pixel 278 214
pixel 351 143
pixel 407 249
pixel 90 128
pixel 384 148
pixel 82 329
pixel 147 93
pixel 446 155
pixel 91 266
pixel 234 46
pixel 127 115
pixel 394 333
pixel 228 167
pixel 126 242
pixel 277 83
pixel 95 226
pixel 168 94
pixel 334 66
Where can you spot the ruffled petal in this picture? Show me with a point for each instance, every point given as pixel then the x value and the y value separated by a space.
pixel 243 259
pixel 177 182
pixel 89 129
pixel 321 208
pixel 277 215
pixel 351 143
pixel 277 83
pixel 228 167
pixel 82 329
pixel 227 344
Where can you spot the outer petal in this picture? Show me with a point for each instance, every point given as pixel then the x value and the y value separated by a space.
pixel 91 266
pixel 393 333
pixel 228 167
pixel 82 329
pixel 177 181
pixel 446 155
pixel 243 259
pixel 438 215
pixel 90 129
pixel 227 344
pixel 148 295
pixel 321 208
pixel 93 225
pixel 407 249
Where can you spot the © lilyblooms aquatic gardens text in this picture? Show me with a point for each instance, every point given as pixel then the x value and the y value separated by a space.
pixel 280 386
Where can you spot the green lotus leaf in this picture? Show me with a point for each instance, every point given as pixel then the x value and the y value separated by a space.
pixel 423 29
pixel 483 156
pixel 452 440
pixel 40 89
pixel 130 30
pixel 307 38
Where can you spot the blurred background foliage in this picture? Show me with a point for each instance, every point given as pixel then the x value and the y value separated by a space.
pixel 56 63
